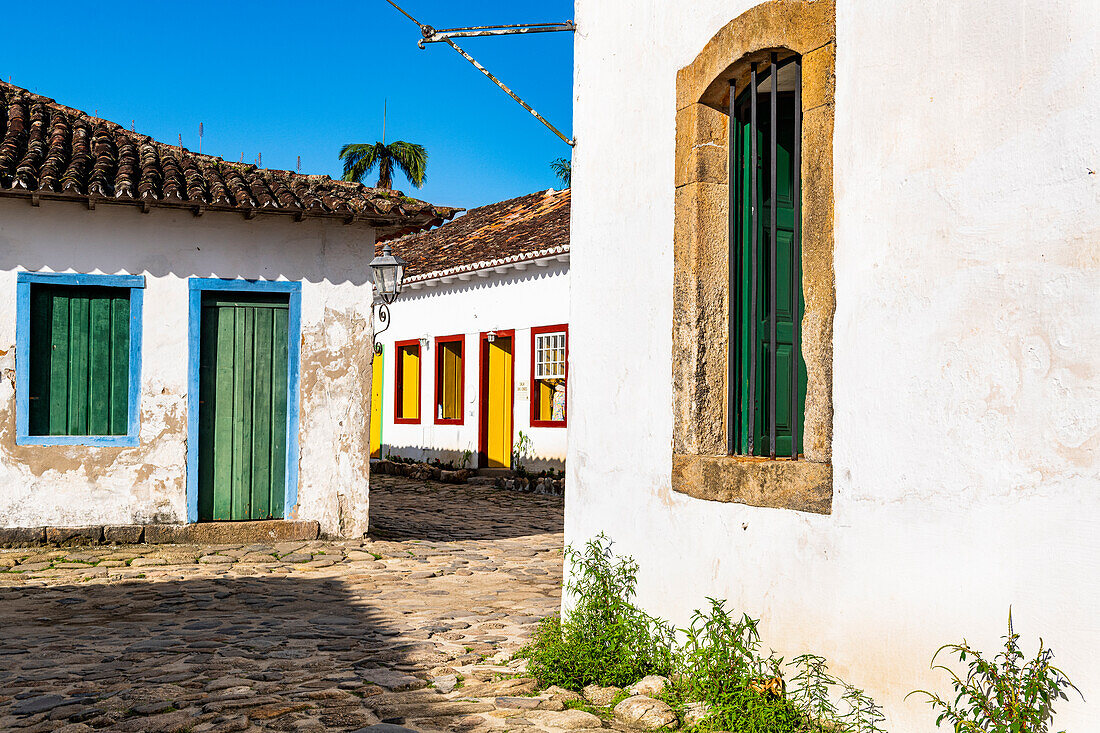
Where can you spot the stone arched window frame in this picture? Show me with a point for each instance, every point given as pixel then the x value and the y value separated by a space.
pixel 701 467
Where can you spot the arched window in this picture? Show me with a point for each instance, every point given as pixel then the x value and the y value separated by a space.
pixel 753 251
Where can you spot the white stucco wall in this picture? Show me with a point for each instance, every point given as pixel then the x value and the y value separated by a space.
pixel 966 445
pixel 78 485
pixel 514 299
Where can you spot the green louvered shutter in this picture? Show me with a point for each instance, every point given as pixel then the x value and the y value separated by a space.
pixel 79 360
pixel 789 305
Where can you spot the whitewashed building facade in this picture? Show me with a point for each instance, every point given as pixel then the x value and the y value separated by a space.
pixel 476 350
pixel 943 160
pixel 182 340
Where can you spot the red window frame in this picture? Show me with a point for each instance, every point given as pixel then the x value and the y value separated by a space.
pixel 460 339
pixel 399 382
pixel 536 423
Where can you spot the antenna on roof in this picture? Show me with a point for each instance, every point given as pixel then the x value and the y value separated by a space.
pixel 242 156
pixel 299 164
pixel 132 126
pixel 259 160
pixel 200 137
pixel 181 141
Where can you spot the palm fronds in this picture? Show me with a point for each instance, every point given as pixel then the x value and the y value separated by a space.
pixel 361 158
pixel 563 169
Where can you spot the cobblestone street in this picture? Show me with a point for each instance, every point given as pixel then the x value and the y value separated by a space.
pixel 415 625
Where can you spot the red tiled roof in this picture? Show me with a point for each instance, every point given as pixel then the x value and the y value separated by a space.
pixel 49 151
pixel 521 228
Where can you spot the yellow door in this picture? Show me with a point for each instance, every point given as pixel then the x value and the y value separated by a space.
pixel 498 433
pixel 376 407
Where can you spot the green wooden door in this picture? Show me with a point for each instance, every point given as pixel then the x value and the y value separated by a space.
pixel 789 303
pixel 242 406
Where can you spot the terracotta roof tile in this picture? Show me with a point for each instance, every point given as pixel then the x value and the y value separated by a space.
pixel 512 230
pixel 51 151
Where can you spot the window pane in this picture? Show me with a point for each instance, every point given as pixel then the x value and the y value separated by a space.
pixel 550 356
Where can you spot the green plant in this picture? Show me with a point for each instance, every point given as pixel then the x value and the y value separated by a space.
pixel 604 639
pixel 586 707
pixel 466 456
pixel 811 691
pixel 563 169
pixel 720 664
pixel 1004 694
pixel 520 451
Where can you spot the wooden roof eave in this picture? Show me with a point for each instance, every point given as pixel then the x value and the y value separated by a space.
pixel 199 207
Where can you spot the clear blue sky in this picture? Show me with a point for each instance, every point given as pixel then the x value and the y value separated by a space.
pixel 302 78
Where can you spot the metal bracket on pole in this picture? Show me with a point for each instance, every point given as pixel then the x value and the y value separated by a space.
pixel 431 35
pixel 383 317
pixel 481 31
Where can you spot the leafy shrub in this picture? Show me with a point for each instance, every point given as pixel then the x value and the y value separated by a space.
pixel 1004 694
pixel 721 663
pixel 521 451
pixel 605 639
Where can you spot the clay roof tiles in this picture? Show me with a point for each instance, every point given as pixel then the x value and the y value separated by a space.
pixel 51 151
pixel 526 227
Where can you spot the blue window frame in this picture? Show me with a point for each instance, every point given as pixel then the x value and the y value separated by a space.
pixel 24 281
pixel 196 287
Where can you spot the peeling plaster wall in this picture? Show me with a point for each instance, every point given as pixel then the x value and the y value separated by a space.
pixel 79 485
pixel 966 448
pixel 520 300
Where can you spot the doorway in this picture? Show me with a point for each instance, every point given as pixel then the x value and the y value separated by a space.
pixel 497 378
pixel 243 405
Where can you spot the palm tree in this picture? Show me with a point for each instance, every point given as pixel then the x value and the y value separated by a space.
pixel 563 169
pixel 361 158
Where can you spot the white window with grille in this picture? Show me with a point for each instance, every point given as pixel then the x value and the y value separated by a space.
pixel 550 356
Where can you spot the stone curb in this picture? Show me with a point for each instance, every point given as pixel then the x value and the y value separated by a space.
pixel 214 533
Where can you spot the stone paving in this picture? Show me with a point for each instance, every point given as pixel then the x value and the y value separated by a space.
pixel 414 625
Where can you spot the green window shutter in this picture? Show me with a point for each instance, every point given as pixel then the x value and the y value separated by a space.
pixel 752 411
pixel 79 360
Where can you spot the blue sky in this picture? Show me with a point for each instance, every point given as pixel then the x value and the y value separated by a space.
pixel 301 78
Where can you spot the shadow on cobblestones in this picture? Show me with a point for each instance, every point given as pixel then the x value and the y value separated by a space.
pixel 303 636
pixel 405 509
pixel 127 655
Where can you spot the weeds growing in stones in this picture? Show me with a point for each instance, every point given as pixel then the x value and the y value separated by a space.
pixel 606 640
pixel 721 664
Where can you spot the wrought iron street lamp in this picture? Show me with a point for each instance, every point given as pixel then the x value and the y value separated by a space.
pixel 389 272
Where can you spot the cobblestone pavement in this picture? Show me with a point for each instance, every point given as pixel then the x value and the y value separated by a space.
pixel 299 636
